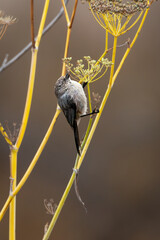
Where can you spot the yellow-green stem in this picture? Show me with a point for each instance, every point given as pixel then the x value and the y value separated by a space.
pixel 31 166
pixel 66 49
pixel 5 135
pixel 89 97
pixel 106 48
pixel 13 180
pixel 65 12
pixel 112 79
pixel 28 99
pixel 113 61
pixel 111 82
pixel 77 166
pixel 32 77
pixel 60 206
pixel 11 199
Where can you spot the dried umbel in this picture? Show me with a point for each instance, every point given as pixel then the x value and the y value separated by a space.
pixel 5 21
pixel 114 16
pixel 118 6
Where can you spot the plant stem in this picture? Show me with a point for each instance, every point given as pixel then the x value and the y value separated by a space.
pixel 80 159
pixel 113 61
pixel 28 99
pixel 13 180
pixel 14 149
pixel 60 206
pixel 7 63
pixel 31 166
pixel 5 135
pixel 32 23
pixel 106 48
pixel 65 12
pixel 101 107
pixel 69 27
pixel 66 49
pixel 32 78
pixel 66 192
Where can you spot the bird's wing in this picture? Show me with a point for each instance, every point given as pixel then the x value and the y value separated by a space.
pixel 69 109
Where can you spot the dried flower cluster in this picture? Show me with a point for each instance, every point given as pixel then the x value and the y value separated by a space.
pixel 118 6
pixel 50 206
pixel 8 20
pixel 5 21
pixel 87 70
pixel 13 132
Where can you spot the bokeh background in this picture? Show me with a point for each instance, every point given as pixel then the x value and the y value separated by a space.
pixel 119 180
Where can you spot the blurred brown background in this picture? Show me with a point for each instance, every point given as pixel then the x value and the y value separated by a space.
pixel 119 180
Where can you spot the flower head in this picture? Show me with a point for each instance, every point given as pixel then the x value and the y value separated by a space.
pixel 88 70
pixel 5 21
pixel 115 15
pixel 118 7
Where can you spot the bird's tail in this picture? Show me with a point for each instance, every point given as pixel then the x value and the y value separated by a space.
pixel 76 136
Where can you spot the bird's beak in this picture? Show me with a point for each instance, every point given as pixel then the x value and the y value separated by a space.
pixel 67 76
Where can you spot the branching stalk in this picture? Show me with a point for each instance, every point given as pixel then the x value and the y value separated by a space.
pixel 14 149
pixel 79 159
pixel 31 166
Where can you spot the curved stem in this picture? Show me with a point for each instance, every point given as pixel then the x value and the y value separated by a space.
pixel 5 135
pixel 101 107
pixel 15 148
pixel 60 206
pixel 31 166
pixel 28 99
pixel 65 12
pixel 32 78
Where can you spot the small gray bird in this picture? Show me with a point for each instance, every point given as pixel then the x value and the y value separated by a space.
pixel 73 102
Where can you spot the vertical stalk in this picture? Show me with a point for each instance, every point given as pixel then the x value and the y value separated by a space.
pixel 80 159
pixel 28 99
pixel 66 49
pixel 113 60
pixel 13 180
pixel 31 166
pixel 14 149
pixel 101 107
pixel 32 23
pixel 106 48
pixel 69 27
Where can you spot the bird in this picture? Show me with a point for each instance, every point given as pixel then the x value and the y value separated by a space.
pixel 73 103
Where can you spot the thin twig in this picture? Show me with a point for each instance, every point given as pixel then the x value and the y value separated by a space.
pixel 65 12
pixel 29 45
pixel 73 14
pixel 3 31
pixel 69 28
pixel 32 24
